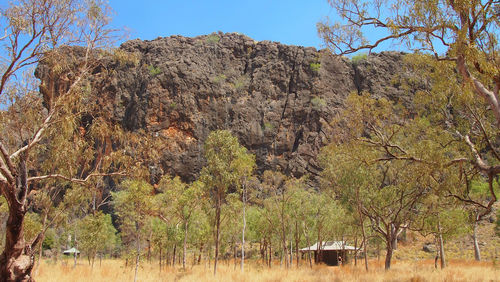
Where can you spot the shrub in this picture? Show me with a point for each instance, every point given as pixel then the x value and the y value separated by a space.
pixel 315 66
pixel 358 58
pixel 241 82
pixel 212 39
pixel 318 103
pixel 154 71
pixel 220 78
pixel 49 242
pixel 268 126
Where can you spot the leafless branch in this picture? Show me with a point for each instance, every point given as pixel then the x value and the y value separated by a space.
pixel 75 180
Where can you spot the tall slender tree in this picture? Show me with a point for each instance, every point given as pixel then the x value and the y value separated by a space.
pixel 227 163
pixel 134 206
pixel 182 200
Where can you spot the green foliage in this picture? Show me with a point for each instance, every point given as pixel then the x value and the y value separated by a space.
pixel 32 226
pixel 385 165
pixel 318 103
pixel 162 235
pixel 461 64
pixel 227 162
pixel 179 199
pixel 268 126
pixel 212 38
pixel 315 66
pixel 50 240
pixel 133 205
pixel 228 166
pixel 356 59
pixel 96 234
pixel 133 202
pixel 452 222
pixel 481 189
pixel 219 78
pixel 241 82
pixel 154 71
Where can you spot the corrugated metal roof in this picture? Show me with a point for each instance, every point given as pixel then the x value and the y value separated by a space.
pixel 330 246
pixel 71 251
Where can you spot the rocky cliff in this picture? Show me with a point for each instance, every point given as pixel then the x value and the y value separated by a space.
pixel 277 99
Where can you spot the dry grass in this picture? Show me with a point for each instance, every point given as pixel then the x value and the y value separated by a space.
pixel 115 270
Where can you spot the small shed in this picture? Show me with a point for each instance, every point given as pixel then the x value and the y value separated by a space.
pixel 71 252
pixel 331 252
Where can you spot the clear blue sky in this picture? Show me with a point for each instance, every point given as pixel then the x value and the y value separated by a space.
pixel 289 22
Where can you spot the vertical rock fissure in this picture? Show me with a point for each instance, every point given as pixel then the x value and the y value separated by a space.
pixel 357 78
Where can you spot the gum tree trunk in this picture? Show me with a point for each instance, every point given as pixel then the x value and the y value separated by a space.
pixel 388 256
pixel 441 247
pixel 185 245
pixel 17 259
pixel 355 251
pixel 217 232
pixel 389 247
pixel 365 247
pixel 477 251
pixel 308 244
pixel 173 257
pixel 243 231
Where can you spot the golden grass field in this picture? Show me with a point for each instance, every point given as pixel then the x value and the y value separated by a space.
pixel 115 270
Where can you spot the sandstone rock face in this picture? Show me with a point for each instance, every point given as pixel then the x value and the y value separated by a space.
pixel 277 99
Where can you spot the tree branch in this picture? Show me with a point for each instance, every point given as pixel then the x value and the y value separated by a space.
pixel 6 158
pixel 480 89
pixel 46 123
pixel 75 180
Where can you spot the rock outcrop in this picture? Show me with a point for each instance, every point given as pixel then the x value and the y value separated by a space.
pixel 277 99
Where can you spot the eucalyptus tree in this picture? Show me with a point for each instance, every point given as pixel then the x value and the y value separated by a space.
pixel 159 238
pixel 261 225
pixel 32 124
pixel 386 164
pixel 460 39
pixel 44 203
pixel 245 182
pixel 301 208
pixel 443 220
pixel 390 197
pixel 351 179
pixel 227 163
pixel 182 200
pixel 266 223
pixel 329 220
pixel 200 233
pixel 475 198
pixel 96 234
pixel 232 225
pixel 277 203
pixel 134 207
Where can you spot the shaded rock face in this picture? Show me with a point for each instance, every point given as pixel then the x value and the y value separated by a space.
pixel 276 99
